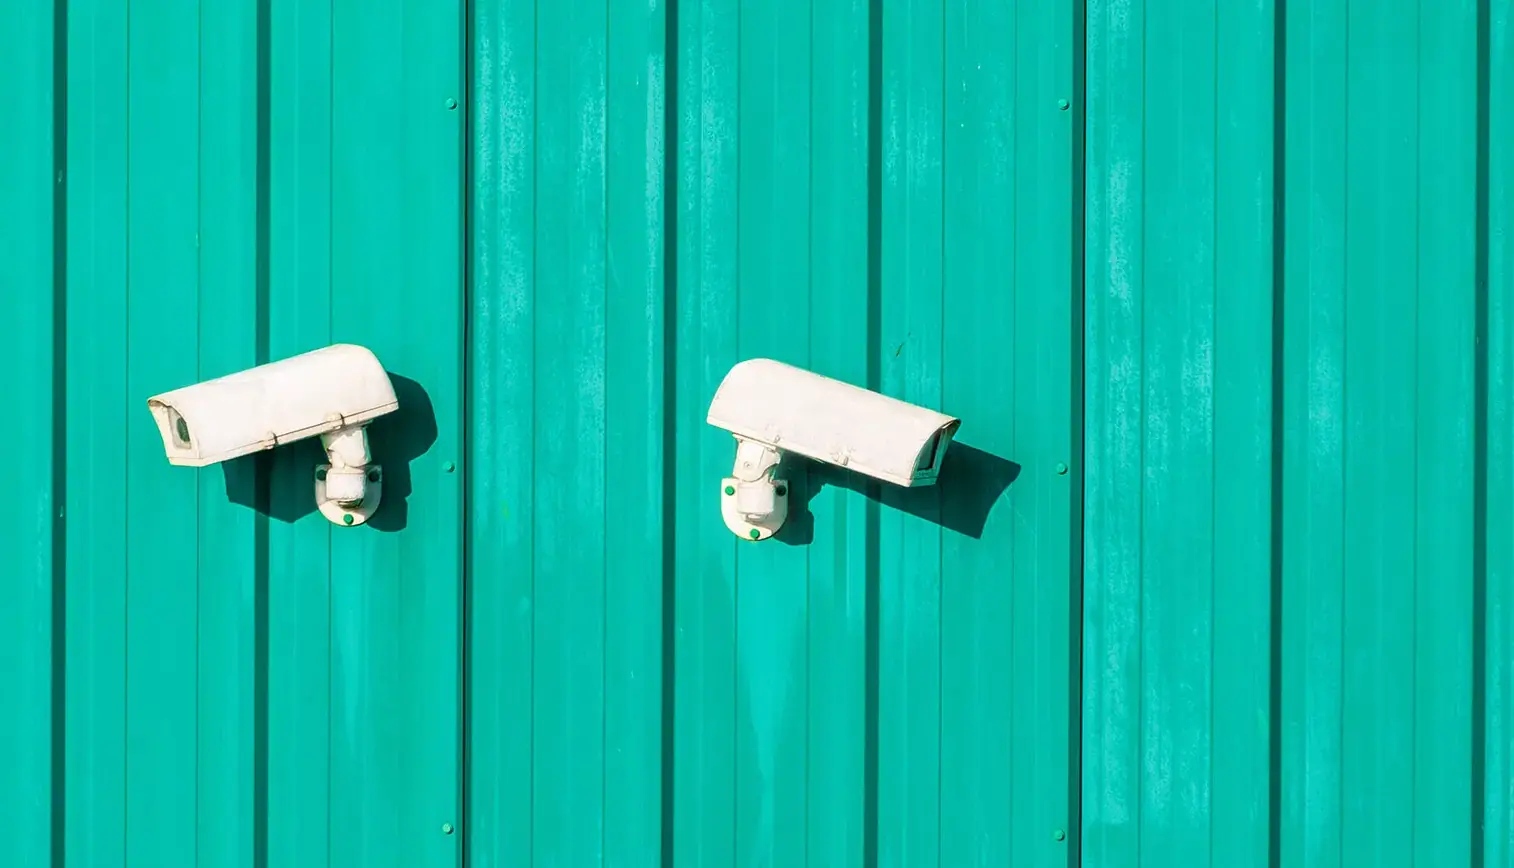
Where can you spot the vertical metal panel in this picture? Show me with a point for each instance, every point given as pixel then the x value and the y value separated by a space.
pixel 878 192
pixel 98 412
pixel 842 605
pixel 163 507
pixel 30 560
pixel 1295 624
pixel 635 380
pixel 1155 203
pixel 1295 627
pixel 502 378
pixel 232 540
pixel 396 277
pixel 301 599
pixel 197 669
pixel 1493 490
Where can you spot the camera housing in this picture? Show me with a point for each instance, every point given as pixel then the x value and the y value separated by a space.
pixel 774 408
pixel 331 393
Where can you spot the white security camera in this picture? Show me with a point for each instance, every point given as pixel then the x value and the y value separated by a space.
pixel 773 408
pixel 332 393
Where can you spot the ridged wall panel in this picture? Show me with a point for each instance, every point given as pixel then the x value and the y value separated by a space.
pixel 1218 572
pixel 1297 581
pixel 878 192
pixel 197 670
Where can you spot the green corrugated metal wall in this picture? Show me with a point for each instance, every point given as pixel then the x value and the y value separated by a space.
pixel 1262 620
pixel 658 193
pixel 196 670
pixel 1298 576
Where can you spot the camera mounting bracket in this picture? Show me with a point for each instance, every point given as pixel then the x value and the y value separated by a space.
pixel 348 489
pixel 753 503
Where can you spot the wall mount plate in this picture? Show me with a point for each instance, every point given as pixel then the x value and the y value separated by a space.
pixel 353 516
pixel 740 525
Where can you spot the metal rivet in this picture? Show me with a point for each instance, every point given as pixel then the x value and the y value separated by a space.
pixel 1059 835
pixel 321 475
pixel 782 490
pixel 754 533
pixel 729 491
pixel 449 467
pixel 1062 104
pixel 1061 469
pixel 451 104
pixel 446 828
pixel 347 519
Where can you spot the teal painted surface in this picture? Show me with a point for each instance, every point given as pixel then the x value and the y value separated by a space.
pixel 1264 618
pixel 658 193
pixel 196 670
pixel 29 555
pixel 1298 578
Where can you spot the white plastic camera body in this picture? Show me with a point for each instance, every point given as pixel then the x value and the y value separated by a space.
pixel 772 408
pixel 332 393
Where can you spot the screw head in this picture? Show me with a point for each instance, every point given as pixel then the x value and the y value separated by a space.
pixel 451 104
pixel 729 490
pixel 1061 469
pixel 782 490
pixel 373 476
pixel 754 533
pixel 347 519
pixel 446 828
pixel 1059 835
pixel 449 467
pixel 1062 104
pixel 321 474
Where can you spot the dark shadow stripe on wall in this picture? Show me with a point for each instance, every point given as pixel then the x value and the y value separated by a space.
pixel 59 426
pixel 1275 651
pixel 1480 469
pixel 264 466
pixel 873 492
pixel 465 444
pixel 669 423
pixel 1077 448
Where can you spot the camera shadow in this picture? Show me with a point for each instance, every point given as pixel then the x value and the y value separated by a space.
pixel 971 481
pixel 281 483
